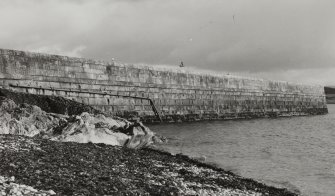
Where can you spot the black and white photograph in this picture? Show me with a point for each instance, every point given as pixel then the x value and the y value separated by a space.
pixel 167 97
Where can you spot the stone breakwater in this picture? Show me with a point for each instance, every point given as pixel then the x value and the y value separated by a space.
pixel 76 166
pixel 178 94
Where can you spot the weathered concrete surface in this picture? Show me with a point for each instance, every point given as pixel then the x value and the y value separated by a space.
pixel 179 95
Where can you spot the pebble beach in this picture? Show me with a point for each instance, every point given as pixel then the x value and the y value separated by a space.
pixel 32 166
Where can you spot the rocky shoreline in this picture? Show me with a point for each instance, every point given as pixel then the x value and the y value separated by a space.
pixel 65 156
pixel 68 168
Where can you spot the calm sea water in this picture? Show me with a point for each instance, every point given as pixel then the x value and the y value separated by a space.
pixel 297 153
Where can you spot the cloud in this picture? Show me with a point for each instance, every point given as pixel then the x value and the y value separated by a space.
pixel 313 76
pixel 259 36
pixel 57 49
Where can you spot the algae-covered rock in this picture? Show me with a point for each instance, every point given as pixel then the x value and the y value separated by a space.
pixel 93 128
pixel 50 104
pixel 25 119
pixel 30 120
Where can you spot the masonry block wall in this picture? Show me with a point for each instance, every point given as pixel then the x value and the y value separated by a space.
pixel 178 95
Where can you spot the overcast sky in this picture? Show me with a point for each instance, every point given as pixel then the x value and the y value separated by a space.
pixel 291 40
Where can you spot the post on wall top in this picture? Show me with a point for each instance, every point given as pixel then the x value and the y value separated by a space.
pixel 181 64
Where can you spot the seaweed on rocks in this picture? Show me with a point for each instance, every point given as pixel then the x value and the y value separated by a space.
pixel 30 120
pixel 50 104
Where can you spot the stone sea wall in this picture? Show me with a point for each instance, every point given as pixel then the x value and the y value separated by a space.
pixel 178 94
